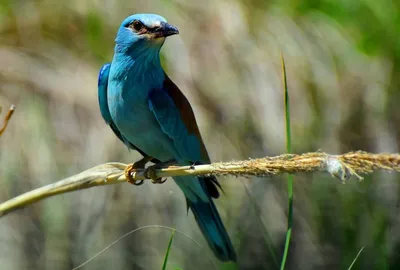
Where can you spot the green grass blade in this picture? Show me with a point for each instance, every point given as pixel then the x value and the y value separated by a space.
pixel 290 177
pixel 287 109
pixel 164 267
pixel 355 259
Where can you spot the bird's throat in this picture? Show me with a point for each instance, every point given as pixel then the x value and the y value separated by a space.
pixel 138 74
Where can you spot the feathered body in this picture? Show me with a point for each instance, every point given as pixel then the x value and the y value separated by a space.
pixel 148 112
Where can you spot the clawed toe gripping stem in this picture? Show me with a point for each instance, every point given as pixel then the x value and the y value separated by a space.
pixel 131 168
pixel 149 172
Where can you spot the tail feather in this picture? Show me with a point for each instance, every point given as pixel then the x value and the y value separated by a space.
pixel 213 229
pixel 199 192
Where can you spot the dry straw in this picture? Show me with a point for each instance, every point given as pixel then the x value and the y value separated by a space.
pixel 340 166
pixel 6 119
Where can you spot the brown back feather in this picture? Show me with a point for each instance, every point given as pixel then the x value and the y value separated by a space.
pixel 189 119
pixel 187 114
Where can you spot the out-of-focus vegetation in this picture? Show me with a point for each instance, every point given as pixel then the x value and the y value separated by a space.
pixel 343 68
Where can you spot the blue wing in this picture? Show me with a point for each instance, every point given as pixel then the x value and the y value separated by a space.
pixel 102 96
pixel 176 118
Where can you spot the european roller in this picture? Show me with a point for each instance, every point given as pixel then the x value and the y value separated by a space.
pixel 149 113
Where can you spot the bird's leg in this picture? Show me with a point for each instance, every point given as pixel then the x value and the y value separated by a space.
pixel 134 167
pixel 150 172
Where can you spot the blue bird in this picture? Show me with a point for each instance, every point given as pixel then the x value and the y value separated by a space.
pixel 148 113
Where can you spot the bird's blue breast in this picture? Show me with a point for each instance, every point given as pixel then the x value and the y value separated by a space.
pixel 128 91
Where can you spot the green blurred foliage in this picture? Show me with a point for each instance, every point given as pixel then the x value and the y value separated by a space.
pixel 343 65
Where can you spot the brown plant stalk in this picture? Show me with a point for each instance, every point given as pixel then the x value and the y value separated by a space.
pixel 340 166
pixel 7 119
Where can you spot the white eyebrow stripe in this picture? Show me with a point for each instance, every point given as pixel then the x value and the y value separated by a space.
pixel 155 24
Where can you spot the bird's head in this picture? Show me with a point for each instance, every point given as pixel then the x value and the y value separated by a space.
pixel 144 31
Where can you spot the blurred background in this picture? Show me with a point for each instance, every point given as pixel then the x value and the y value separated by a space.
pixel 343 68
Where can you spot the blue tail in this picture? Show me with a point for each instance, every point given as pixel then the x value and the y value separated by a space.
pixel 199 193
pixel 213 229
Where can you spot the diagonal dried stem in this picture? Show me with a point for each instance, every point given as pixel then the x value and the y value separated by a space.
pixel 7 119
pixel 340 166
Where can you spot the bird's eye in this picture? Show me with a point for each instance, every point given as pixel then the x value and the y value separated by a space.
pixel 137 25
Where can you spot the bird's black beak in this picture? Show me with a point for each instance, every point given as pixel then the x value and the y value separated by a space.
pixel 165 30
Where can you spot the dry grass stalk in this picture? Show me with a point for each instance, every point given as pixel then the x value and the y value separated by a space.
pixel 6 119
pixel 340 166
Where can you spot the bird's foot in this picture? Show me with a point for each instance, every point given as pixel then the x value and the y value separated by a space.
pixel 150 172
pixel 131 168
